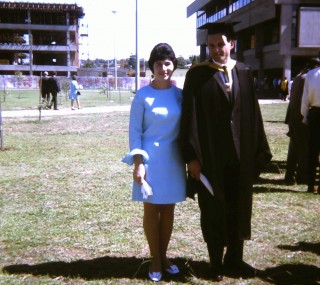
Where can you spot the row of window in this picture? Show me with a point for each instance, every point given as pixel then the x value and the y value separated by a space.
pixel 204 17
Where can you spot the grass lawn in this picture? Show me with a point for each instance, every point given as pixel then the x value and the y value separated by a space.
pixel 29 99
pixel 67 217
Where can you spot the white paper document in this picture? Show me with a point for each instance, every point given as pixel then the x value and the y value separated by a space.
pixel 206 183
pixel 146 190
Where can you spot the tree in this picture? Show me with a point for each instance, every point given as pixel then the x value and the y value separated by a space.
pixel 89 64
pixel 195 60
pixel 181 62
pixel 19 80
pixel 132 61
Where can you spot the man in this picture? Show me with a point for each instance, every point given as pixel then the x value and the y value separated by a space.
pixel 54 88
pixel 297 158
pixel 310 110
pixel 284 89
pixel 222 137
pixel 44 88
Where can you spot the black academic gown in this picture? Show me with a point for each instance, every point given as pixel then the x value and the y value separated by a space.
pixel 213 130
pixel 297 159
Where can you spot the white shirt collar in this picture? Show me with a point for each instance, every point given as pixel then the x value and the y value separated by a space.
pixel 230 63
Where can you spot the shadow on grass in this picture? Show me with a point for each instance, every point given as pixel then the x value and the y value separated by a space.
pixel 137 268
pixel 303 246
pixel 103 268
pixel 295 273
pixel 262 189
pixel 292 274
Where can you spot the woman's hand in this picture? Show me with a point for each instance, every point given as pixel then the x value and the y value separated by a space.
pixel 139 173
pixel 194 169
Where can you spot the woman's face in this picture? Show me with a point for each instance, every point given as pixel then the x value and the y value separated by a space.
pixel 219 48
pixel 163 69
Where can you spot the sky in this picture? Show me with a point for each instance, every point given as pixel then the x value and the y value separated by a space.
pixel 113 34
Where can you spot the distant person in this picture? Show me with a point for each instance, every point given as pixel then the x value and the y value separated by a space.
pixel 154 152
pixel 297 158
pixel 290 87
pixel 223 138
pixel 74 92
pixel 310 110
pixel 284 89
pixel 44 87
pixel 54 88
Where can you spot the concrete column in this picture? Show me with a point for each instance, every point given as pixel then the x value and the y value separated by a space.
pixel 30 44
pixel 68 43
pixel 203 52
pixel 285 38
pixel 287 66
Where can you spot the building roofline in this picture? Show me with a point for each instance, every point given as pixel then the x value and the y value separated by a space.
pixel 196 6
pixel 52 7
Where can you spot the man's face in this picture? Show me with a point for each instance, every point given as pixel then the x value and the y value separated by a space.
pixel 219 48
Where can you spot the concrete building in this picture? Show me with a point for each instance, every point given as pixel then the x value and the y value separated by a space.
pixel 274 37
pixel 38 37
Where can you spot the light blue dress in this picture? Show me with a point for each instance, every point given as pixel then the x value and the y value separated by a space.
pixel 74 87
pixel 153 133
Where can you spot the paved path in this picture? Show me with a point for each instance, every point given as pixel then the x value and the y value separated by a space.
pixel 65 111
pixel 89 110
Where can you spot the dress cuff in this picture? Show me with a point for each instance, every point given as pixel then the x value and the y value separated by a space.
pixel 128 158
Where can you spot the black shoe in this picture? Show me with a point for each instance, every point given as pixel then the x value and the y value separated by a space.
pixel 217 277
pixel 216 274
pixel 311 189
pixel 289 181
pixel 241 269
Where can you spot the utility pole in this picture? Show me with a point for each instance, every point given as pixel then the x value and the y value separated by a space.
pixel 137 78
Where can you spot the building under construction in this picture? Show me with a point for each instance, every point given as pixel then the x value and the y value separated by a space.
pixel 38 37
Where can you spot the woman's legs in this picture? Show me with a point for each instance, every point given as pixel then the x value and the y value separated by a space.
pixel 158 224
pixel 78 104
pixel 166 225
pixel 151 230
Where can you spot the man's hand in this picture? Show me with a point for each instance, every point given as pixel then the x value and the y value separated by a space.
pixel 194 169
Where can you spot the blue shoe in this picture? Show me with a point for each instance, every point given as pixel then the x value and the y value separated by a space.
pixel 173 269
pixel 155 276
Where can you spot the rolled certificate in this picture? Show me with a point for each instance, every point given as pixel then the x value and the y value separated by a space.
pixel 206 183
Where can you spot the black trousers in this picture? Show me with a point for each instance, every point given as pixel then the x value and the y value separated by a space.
pixel 54 100
pixel 219 221
pixel 46 96
pixel 314 145
pixel 297 158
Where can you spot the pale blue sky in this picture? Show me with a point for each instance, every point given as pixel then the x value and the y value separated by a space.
pixel 159 21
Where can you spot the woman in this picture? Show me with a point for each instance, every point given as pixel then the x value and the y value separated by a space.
pixel 154 151
pixel 74 92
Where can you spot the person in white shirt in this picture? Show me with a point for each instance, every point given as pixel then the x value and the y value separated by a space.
pixel 310 110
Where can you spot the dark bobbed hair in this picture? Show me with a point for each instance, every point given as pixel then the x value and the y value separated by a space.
pixel 74 77
pixel 162 51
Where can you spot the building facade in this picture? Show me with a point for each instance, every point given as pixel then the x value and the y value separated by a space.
pixel 274 37
pixel 38 37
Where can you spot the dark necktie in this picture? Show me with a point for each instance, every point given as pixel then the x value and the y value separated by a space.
pixel 227 82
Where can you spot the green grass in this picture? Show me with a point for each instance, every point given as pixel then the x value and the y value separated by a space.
pixel 16 99
pixel 67 215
